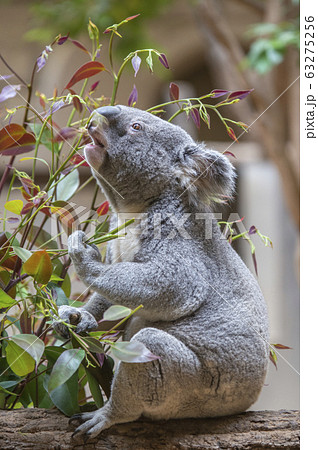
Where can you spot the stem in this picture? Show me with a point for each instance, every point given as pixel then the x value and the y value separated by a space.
pixel 123 320
pixel 84 184
pixel 38 232
pixel 176 114
pixel 110 53
pixel 8 195
pixel 15 281
pixel 92 207
pixel 6 172
pixel 38 144
pixel 11 70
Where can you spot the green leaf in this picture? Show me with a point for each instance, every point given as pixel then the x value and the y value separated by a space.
pixel 22 253
pixel 67 186
pixel 37 392
pixel 9 384
pixel 46 138
pixel 132 352
pixel 31 344
pixel 65 366
pixel 5 300
pixel 61 299
pixel 95 389
pixel 64 396
pixel 52 353
pixel 14 206
pixel 5 391
pixel 39 266
pixel 149 61
pixel 19 360
pixel 93 344
pixel 116 312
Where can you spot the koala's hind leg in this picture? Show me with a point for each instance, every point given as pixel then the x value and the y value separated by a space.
pixel 159 389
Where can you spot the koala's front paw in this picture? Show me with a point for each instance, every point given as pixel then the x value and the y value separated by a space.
pixel 83 320
pixel 79 250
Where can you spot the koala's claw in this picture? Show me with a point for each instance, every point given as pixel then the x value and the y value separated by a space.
pixel 78 249
pixel 76 418
pixel 83 320
pixel 92 424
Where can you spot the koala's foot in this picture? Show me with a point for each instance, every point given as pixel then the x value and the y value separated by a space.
pixel 83 320
pixel 92 423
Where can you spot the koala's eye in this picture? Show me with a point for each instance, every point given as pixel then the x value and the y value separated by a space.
pixel 136 126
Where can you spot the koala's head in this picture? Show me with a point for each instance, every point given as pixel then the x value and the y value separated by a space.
pixel 142 157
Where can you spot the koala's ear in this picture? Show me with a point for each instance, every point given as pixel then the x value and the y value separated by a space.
pixel 206 175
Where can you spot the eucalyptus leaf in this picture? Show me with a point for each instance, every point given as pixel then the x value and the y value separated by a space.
pixel 95 389
pixel 22 253
pixel 19 360
pixel 116 312
pixel 132 352
pixel 65 396
pixel 65 366
pixel 31 344
pixel 67 186
pixel 5 300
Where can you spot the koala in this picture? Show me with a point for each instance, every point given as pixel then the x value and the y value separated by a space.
pixel 203 313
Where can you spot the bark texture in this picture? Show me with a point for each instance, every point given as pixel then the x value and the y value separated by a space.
pixel 39 429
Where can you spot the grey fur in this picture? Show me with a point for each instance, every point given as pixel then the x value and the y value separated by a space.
pixel 203 314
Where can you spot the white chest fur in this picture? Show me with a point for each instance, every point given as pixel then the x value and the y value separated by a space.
pixel 124 248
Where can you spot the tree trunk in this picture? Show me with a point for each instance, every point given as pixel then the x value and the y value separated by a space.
pixel 39 429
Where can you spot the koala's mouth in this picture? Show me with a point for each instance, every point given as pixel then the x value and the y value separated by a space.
pixel 96 150
pixel 98 137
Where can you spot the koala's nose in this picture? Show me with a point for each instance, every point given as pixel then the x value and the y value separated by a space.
pixel 110 112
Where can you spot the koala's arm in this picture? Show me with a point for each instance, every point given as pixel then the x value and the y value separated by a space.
pixel 165 292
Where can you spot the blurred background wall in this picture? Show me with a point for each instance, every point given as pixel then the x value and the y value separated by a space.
pixel 210 44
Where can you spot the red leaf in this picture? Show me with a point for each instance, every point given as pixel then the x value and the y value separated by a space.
pixel 132 17
pixel 46 211
pixel 77 158
pixel 231 133
pixel 79 45
pixel 10 135
pixel 25 144
pixel 77 104
pixel 229 153
pixel 13 219
pixel 62 39
pixel 252 230
pixel 93 87
pixel 174 91
pixel 29 189
pixel 281 346
pixel 102 210
pixel 239 94
pixel 65 133
pixel 27 208
pixel 163 60
pixel 196 117
pixel 133 98
pixel 39 265
pixel 218 93
pixel 86 71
